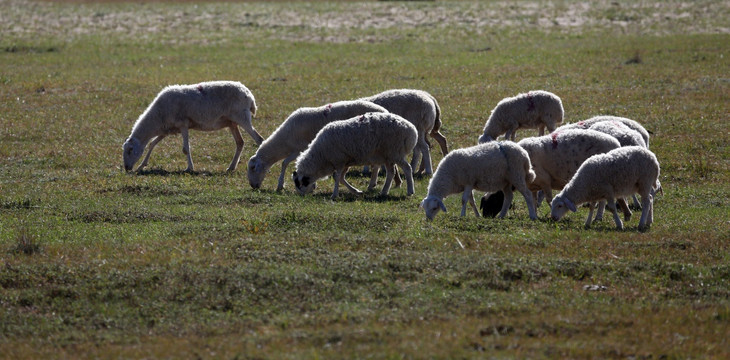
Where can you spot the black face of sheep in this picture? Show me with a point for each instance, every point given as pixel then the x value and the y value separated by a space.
pixel 303 185
pixel 491 205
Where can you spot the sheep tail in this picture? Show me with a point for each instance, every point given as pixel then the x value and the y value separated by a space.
pixel 529 173
pixel 437 122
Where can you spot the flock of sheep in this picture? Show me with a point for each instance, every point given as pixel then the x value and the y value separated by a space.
pixel 599 161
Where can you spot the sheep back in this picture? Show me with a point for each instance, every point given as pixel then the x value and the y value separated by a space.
pixel 302 125
pixel 373 138
pixel 556 157
pixel 487 167
pixel 527 110
pixel 632 124
pixel 416 106
pixel 621 172
pixel 624 134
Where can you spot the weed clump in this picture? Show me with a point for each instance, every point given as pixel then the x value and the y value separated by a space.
pixel 25 244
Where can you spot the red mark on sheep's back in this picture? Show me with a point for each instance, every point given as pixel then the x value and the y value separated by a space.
pixel 555 140
pixel 530 102
pixel 200 88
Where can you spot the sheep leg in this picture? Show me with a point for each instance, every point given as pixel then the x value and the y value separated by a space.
pixel 186 148
pixel 624 208
pixel 342 180
pixel 245 122
pixel 397 178
pixel 339 177
pixel 421 150
pixel 149 151
pixel 441 139
pixel 530 202
pixel 507 200
pixel 636 204
pixel 465 196
pixel 591 205
pixel 541 130
pixel 373 177
pixel 284 164
pixel 646 212
pixel 239 146
pixel 601 210
pixel 611 203
pixel 388 179
pixel 408 172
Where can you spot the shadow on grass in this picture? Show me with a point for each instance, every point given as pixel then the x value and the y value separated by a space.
pixel 162 172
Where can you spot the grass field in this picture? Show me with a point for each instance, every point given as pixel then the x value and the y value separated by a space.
pixel 98 263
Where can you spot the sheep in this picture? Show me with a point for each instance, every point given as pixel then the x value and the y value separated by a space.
pixel 205 106
pixel 587 124
pixel 626 136
pixel 296 132
pixel 556 157
pixel 373 138
pixel 487 167
pixel 423 111
pixel 619 172
pixel 535 109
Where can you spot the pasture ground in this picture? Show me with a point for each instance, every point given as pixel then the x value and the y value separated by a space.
pixel 97 263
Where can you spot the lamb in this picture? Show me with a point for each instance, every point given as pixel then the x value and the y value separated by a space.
pixel 620 172
pixel 535 109
pixel 296 132
pixel 556 157
pixel 631 124
pixel 487 167
pixel 370 139
pixel 423 111
pixel 626 136
pixel 205 106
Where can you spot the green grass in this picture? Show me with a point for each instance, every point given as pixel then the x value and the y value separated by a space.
pixel 99 263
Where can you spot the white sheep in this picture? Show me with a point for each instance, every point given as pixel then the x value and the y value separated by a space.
pixel 486 167
pixel 373 138
pixel 620 172
pixel 205 106
pixel 556 157
pixel 535 109
pixel 631 124
pixel 296 132
pixel 626 136
pixel 422 110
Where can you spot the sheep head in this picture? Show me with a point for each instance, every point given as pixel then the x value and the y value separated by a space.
pixel 257 170
pixel 431 205
pixel 133 150
pixel 560 205
pixel 485 138
pixel 303 183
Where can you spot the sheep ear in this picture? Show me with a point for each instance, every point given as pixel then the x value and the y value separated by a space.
pixel 570 205
pixel 442 206
pixel 296 179
pixel 420 205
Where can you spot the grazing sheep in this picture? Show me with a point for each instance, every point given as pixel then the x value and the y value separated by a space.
pixel 296 132
pixel 556 157
pixel 534 109
pixel 620 172
pixel 422 110
pixel 487 167
pixel 373 138
pixel 206 106
pixel 626 137
pixel 587 124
